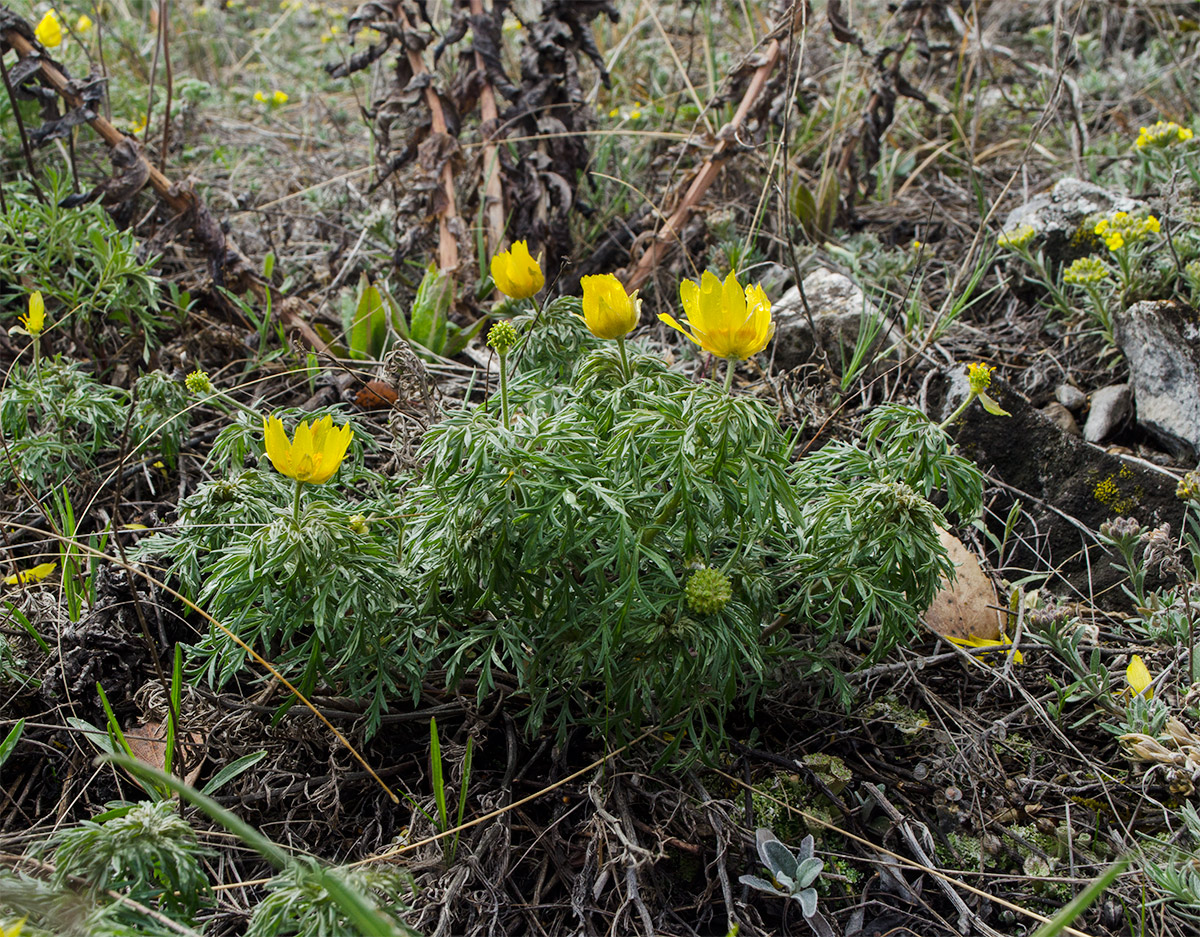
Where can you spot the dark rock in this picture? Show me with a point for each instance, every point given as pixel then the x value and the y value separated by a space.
pixel 1067 487
pixel 1161 341
pixel 839 308
pixel 1111 407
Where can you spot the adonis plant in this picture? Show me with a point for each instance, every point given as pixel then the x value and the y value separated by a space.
pixel 612 541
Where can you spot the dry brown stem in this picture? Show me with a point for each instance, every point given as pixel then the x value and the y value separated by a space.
pixel 493 192
pixel 182 199
pixel 726 137
pixel 447 244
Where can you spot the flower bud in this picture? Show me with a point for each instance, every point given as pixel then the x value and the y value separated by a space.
pixel 707 591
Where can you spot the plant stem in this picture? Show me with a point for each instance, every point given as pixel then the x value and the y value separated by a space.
pixel 296 505
pixel 731 363
pixel 37 357
pixel 624 359
pixel 504 386
pixel 957 413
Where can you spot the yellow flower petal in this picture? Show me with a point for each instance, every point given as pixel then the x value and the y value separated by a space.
pixel 1137 675
pixel 35 574
pixel 49 31
pixel 516 273
pixel 725 319
pixel 608 310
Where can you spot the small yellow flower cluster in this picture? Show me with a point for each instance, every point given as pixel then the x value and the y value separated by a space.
pixel 1017 238
pixel 635 114
pixel 1084 271
pixel 275 99
pixel 1188 488
pixel 1163 134
pixel 1122 228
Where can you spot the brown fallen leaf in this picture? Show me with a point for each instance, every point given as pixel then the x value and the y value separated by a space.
pixel 148 743
pixel 965 608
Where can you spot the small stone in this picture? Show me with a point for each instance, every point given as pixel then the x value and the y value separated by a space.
pixel 1111 406
pixel 1161 341
pixel 838 307
pixel 1070 397
pixel 1061 417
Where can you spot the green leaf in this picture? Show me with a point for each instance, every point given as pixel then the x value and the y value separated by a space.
pixel 431 305
pixel 1081 902
pixel 10 741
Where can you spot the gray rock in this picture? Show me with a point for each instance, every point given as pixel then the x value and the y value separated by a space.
pixel 838 309
pixel 1061 417
pixel 1161 341
pixel 1056 215
pixel 1111 406
pixel 1070 397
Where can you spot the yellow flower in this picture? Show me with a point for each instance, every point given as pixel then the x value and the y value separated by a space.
pixel 49 31
pixel 315 454
pixel 260 97
pixel 36 574
pixel 988 642
pixel 1162 134
pixel 516 273
pixel 84 24
pixel 608 310
pixel 140 124
pixel 279 98
pixel 725 319
pixel 1017 238
pixel 35 322
pixel 12 930
pixel 1137 675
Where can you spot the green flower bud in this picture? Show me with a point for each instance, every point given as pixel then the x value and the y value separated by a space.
pixel 708 591
pixel 198 383
pixel 359 525
pixel 502 336
pixel 1189 487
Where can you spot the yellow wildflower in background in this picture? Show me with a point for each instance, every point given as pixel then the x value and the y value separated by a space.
pixel 279 98
pixel 988 642
pixel 723 318
pixel 1162 134
pixel 1121 229
pixel 1137 675
pixel 84 24
pixel 516 273
pixel 315 453
pixel 12 930
pixel 49 31
pixel 35 574
pixel 1085 270
pixel 979 375
pixel 1017 238
pixel 608 310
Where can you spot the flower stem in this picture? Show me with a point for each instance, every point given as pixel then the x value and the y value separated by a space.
pixel 624 359
pixel 504 386
pixel 957 413
pixel 730 364
pixel 37 358
pixel 296 505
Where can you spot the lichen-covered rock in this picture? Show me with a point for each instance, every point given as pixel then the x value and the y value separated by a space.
pixel 1067 488
pixel 1161 341
pixel 839 309
pixel 1056 216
